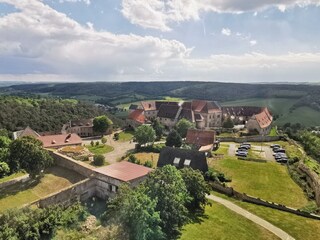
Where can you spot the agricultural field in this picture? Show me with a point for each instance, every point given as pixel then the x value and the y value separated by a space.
pixel 301 228
pixel 281 107
pixel 267 180
pixel 219 222
pixel 143 157
pixel 55 179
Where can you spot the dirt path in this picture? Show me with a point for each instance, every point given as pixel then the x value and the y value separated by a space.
pixel 263 223
pixel 232 149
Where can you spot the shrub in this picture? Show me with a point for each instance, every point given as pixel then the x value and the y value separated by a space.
pixel 97 143
pixel 148 164
pixel 92 143
pixel 4 169
pixel 116 136
pixel 98 160
pixel 214 175
pixel 104 140
pixel 132 158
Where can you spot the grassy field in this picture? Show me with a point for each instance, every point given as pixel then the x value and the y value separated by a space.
pixel 221 223
pixel 269 181
pixel 126 136
pixel 12 176
pixel 100 149
pixel 55 179
pixel 143 157
pixel 281 106
pixel 300 228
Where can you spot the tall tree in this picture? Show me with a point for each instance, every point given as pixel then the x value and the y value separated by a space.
pixel 101 124
pixel 144 134
pixel 27 153
pixel 167 186
pixel 136 212
pixel 158 128
pixel 174 139
pixel 182 127
pixel 197 188
pixel 228 123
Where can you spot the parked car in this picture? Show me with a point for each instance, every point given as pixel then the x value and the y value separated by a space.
pixel 242 150
pixel 244 147
pixel 275 145
pixel 247 145
pixel 280 150
pixel 241 154
pixel 282 160
pixel 275 149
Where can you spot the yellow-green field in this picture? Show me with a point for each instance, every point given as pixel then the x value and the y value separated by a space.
pixel 143 157
pixel 55 179
pixel 270 181
pixel 221 223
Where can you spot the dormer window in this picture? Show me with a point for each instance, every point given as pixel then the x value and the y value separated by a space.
pixel 53 142
pixel 187 163
pixel 176 162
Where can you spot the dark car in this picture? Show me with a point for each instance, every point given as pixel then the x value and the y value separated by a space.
pixel 275 145
pixel 244 147
pixel 280 150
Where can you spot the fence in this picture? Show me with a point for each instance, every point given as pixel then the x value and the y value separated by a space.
pixel 246 198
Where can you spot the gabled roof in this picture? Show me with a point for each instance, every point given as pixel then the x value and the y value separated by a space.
pixel 124 171
pixel 202 106
pixel 138 116
pixel 168 111
pixel 160 103
pixel 177 157
pixel 28 131
pixel 264 118
pixel 149 106
pixel 200 137
pixel 237 111
pixel 60 140
pixel 187 114
pixel 82 123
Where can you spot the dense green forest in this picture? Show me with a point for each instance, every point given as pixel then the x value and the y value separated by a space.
pixel 43 114
pixel 114 93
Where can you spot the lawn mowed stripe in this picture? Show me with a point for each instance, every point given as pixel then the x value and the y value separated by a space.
pixel 219 222
pixel 100 149
pixel 270 181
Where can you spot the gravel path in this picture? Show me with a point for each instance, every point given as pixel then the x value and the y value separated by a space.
pixel 263 223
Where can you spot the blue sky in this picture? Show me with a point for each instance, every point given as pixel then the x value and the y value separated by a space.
pixel 124 40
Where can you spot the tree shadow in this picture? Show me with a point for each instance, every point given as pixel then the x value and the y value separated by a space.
pixel 19 187
pixel 72 176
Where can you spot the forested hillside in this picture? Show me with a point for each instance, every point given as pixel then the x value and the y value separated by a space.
pixel 42 114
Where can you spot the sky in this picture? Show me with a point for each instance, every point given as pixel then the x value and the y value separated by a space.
pixel 160 40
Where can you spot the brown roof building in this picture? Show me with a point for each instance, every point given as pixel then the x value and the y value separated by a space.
pixel 28 131
pixel 261 122
pixel 61 140
pixel 200 137
pixel 136 118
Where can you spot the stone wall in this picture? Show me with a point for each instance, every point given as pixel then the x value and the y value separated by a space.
pixel 21 179
pixel 249 139
pixel 313 180
pixel 69 163
pixel 244 197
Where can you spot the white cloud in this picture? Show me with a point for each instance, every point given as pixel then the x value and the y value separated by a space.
pixel 159 14
pixel 88 2
pixel 253 42
pixel 39 43
pixel 226 31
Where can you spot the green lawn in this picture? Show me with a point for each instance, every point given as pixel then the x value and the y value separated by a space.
pixel 269 181
pixel 143 157
pixel 126 136
pixel 273 132
pixel 300 228
pixel 281 107
pixel 221 223
pixel 12 176
pixel 55 179
pixel 100 149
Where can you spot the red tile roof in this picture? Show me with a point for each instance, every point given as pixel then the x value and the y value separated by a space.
pixel 26 132
pixel 203 106
pixel 138 116
pixel 124 171
pixel 264 118
pixel 60 140
pixel 200 137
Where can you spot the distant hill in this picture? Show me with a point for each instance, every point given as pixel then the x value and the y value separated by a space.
pixel 112 93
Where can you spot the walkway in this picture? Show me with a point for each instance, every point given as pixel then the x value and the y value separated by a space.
pixel 263 223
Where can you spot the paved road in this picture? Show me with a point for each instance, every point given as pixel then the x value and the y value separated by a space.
pixel 232 149
pixel 263 223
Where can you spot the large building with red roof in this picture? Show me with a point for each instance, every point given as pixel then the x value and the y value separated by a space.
pixel 261 122
pixel 60 140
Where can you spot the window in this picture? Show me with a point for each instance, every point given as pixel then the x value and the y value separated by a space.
pixel 114 188
pixel 176 162
pixel 187 163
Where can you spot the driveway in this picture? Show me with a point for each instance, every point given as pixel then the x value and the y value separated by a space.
pixel 120 148
pixel 263 223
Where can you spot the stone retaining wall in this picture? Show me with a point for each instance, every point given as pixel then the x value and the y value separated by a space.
pixel 244 197
pixel 249 139
pixel 21 179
